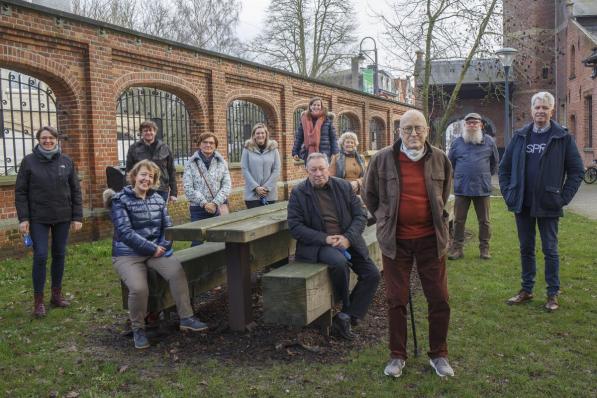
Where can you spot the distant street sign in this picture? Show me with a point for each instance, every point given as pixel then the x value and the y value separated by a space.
pixel 368 80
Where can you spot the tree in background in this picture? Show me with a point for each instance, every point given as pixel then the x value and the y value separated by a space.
pixel 306 37
pixel 442 29
pixel 208 24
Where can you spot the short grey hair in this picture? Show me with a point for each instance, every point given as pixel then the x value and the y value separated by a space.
pixel 545 97
pixel 349 135
pixel 316 155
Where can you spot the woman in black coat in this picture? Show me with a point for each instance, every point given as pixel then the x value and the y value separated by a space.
pixel 48 198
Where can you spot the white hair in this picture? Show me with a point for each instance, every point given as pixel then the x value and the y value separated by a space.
pixel 545 97
pixel 349 135
pixel 316 155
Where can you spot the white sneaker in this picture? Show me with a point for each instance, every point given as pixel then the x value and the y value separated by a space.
pixel 394 367
pixel 442 366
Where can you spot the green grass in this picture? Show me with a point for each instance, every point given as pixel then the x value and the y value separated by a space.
pixel 496 350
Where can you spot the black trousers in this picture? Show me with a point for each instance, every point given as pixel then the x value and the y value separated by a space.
pixel 356 303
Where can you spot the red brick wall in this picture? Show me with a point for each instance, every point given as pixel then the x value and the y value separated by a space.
pixel 88 65
pixel 580 86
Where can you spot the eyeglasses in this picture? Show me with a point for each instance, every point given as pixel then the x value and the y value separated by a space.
pixel 411 129
pixel 472 121
pixel 208 143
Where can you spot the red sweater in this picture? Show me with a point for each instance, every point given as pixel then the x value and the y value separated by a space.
pixel 414 213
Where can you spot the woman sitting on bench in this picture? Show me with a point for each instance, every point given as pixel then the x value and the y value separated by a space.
pixel 140 219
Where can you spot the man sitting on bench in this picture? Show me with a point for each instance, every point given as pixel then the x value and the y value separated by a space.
pixel 327 220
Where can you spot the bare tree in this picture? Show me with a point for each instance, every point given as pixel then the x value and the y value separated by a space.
pixel 307 37
pixel 443 29
pixel 208 24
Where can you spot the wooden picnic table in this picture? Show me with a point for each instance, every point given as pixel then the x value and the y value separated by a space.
pixel 263 229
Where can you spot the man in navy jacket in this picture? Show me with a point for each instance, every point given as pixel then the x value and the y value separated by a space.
pixel 539 174
pixel 474 158
pixel 327 220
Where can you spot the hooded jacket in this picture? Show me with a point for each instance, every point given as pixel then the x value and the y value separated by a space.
pixel 139 224
pixel 48 191
pixel 382 194
pixel 328 143
pixel 260 169
pixel 218 177
pixel 161 156
pixel 307 226
pixel 559 176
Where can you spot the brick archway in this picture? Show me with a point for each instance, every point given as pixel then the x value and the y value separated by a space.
pixel 356 121
pixel 195 103
pixel 272 112
pixel 66 89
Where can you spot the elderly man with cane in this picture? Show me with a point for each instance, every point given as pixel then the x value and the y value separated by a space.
pixel 406 189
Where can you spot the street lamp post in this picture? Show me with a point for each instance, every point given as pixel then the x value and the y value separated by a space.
pixel 506 56
pixel 362 54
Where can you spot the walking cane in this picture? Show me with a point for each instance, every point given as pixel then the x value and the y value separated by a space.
pixel 412 322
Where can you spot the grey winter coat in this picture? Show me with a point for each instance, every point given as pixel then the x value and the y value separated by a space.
pixel 473 166
pixel 218 177
pixel 260 169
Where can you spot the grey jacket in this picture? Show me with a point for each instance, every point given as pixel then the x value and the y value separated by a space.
pixel 260 169
pixel 218 177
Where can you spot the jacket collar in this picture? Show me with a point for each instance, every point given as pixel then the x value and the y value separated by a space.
pixel 396 148
pixel 557 131
pixel 271 145
pixel 217 156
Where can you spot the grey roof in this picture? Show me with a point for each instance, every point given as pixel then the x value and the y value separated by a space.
pixel 585 7
pixel 589 25
pixel 446 72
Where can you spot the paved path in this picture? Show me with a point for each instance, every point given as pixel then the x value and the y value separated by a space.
pixel 584 203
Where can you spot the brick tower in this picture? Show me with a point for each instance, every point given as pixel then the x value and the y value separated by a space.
pixel 529 26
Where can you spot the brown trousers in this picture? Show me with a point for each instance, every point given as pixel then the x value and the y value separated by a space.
pixel 433 276
pixel 461 206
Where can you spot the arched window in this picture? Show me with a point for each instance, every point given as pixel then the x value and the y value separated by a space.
pixel 377 133
pixel 297 117
pixel 453 131
pixel 137 104
pixel 572 62
pixel 347 123
pixel 242 116
pixel 26 104
pixel 396 129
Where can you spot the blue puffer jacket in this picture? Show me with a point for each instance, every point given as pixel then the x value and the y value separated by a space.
pixel 328 142
pixel 139 224
pixel 473 166
pixel 559 177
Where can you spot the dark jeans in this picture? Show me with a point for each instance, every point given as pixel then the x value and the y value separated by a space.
pixel 357 303
pixel 39 235
pixel 434 280
pixel 199 213
pixel 548 230
pixel 461 206
pixel 256 203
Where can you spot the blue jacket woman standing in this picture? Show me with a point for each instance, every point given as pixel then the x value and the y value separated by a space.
pixel 315 132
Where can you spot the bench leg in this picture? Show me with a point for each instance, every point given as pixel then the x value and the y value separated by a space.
pixel 238 272
pixel 324 322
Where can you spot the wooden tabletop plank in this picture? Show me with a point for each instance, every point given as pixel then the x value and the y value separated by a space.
pixel 196 230
pixel 250 229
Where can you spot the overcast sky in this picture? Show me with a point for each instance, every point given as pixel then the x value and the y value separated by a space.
pixel 253 14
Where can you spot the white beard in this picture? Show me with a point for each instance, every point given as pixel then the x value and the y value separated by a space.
pixel 472 136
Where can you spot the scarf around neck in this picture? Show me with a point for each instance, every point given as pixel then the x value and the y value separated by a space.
pixel 48 154
pixel 413 154
pixel 311 133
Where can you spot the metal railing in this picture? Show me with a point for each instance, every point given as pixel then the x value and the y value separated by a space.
pixel 137 104
pixel 26 104
pixel 241 117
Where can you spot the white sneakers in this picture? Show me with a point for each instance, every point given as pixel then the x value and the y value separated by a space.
pixel 440 365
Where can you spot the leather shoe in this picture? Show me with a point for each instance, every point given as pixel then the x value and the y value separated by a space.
pixel 521 297
pixel 455 253
pixel 341 326
pixel 552 303
pixel 484 253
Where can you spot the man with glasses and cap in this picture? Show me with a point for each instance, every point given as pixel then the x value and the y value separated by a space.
pixel 474 157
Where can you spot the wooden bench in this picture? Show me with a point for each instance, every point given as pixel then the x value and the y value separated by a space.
pixel 298 293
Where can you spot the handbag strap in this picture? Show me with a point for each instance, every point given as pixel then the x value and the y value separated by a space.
pixel 205 179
